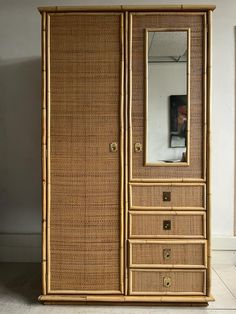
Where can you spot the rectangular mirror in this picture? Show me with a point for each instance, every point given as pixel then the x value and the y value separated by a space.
pixel 167 97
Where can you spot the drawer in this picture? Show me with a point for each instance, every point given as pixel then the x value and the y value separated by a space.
pixel 167 254
pixel 159 282
pixel 170 196
pixel 167 224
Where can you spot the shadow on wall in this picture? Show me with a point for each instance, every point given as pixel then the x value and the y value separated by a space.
pixel 20 165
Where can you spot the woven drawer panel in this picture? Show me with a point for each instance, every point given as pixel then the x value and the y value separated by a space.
pixel 158 254
pixel 151 282
pixel 151 224
pixel 185 196
pixel 85 60
pixel 155 20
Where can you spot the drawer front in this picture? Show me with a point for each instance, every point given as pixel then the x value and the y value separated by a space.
pixel 175 282
pixel 171 254
pixel 165 224
pixel 172 196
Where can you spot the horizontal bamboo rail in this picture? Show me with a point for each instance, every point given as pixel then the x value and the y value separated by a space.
pixel 179 7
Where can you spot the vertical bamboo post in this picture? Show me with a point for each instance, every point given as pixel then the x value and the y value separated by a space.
pixel 126 152
pixel 130 97
pixel 188 95
pixel 122 153
pixel 209 68
pixel 48 147
pixel 204 86
pixel 146 97
pixel 44 150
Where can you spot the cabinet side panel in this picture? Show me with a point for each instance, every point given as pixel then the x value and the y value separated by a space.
pixel 84 221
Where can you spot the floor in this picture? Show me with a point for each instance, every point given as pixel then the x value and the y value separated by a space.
pixel 20 286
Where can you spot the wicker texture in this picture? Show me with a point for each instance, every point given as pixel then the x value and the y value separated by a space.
pixel 181 196
pixel 85 56
pixel 196 23
pixel 182 282
pixel 152 254
pixel 182 225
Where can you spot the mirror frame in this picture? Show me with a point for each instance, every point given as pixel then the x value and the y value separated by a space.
pixel 166 164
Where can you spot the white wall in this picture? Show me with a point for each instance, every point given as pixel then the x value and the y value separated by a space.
pixel 20 198
pixel 164 79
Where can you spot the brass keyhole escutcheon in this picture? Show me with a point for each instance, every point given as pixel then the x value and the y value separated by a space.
pixel 138 147
pixel 166 196
pixel 166 254
pixel 167 282
pixel 113 147
pixel 166 225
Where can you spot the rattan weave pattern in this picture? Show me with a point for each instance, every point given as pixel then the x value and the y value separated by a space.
pixel 150 224
pixel 85 58
pixel 185 254
pixel 184 282
pixel 196 24
pixel 181 196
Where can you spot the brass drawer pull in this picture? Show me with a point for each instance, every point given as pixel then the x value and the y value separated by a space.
pixel 166 254
pixel 167 282
pixel 113 147
pixel 138 147
pixel 166 196
pixel 166 225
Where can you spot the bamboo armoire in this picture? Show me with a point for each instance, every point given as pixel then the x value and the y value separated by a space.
pixel 126 93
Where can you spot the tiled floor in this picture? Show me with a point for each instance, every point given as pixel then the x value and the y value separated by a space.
pixel 20 286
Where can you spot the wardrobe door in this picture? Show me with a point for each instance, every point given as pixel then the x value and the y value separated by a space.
pixel 168 61
pixel 84 143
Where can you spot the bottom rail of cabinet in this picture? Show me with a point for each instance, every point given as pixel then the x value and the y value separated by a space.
pixel 108 299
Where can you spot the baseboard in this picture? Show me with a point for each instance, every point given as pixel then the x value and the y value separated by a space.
pixel 23 247
pixel 224 243
pixel 27 247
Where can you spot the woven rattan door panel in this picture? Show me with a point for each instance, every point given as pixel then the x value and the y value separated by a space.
pixel 85 79
pixel 196 23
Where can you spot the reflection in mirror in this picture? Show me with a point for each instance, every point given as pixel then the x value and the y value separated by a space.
pixel 167 99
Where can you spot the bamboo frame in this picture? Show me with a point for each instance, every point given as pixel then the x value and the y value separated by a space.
pixel 122 84
pixel 85 13
pixel 48 264
pixel 126 208
pixel 204 87
pixel 120 298
pixel 158 164
pixel 168 242
pixel 48 152
pixel 171 7
pixel 208 173
pixel 129 126
pixel 125 152
pixel 172 12
pixel 166 213
pixel 44 155
pixel 89 292
pixel 165 292
pixel 177 180
pixel 131 206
